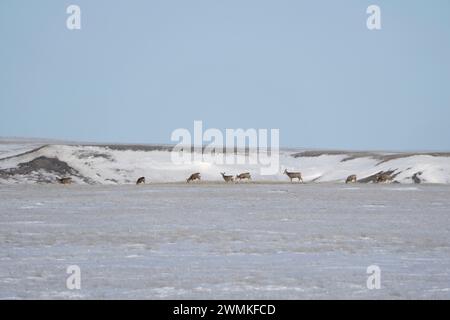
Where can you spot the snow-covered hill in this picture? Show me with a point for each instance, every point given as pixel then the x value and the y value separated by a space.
pixel 22 162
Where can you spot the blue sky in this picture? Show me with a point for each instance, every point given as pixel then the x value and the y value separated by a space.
pixel 137 70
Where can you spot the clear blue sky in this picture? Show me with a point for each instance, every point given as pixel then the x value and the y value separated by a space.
pixel 137 70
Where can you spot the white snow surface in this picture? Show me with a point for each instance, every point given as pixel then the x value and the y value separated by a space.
pixel 224 241
pixel 98 164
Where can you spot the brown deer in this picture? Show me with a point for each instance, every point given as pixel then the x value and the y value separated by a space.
pixel 351 179
pixel 65 180
pixel 141 180
pixel 294 175
pixel 242 176
pixel 227 178
pixel 383 178
pixel 193 177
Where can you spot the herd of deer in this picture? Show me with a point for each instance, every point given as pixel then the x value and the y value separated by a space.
pixel 229 178
pixel 292 175
pixel 379 178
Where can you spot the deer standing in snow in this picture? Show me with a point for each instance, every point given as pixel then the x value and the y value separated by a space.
pixel 383 178
pixel 193 177
pixel 66 180
pixel 227 178
pixel 141 180
pixel 294 175
pixel 351 179
pixel 245 175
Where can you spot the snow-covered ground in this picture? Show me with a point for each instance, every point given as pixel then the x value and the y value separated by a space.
pixel 22 162
pixel 213 240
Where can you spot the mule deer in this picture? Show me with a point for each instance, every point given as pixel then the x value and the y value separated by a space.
pixel 245 175
pixel 193 177
pixel 294 175
pixel 141 180
pixel 351 179
pixel 65 180
pixel 227 178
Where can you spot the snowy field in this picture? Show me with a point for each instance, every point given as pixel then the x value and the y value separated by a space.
pixel 218 241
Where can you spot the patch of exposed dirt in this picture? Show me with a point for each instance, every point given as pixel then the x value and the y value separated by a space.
pixel 42 164
pixel 373 177
pixel 134 147
pixel 94 154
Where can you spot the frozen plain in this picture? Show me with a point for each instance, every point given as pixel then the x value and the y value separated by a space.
pixel 219 241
